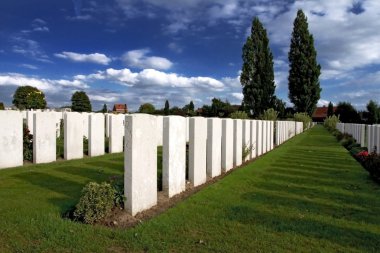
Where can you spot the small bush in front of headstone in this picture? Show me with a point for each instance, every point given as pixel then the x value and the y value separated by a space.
pixel 27 144
pixel 96 202
pixel 372 164
pixel 117 183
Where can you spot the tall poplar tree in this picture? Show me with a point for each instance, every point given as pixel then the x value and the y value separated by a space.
pixel 330 109
pixel 257 77
pixel 304 71
pixel 166 108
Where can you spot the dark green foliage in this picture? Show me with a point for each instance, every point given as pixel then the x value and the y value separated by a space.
pixel 85 145
pixel 177 111
pixel 239 115
pixel 257 77
pixel 2 106
pixel 147 108
pixel 347 113
pixel 269 114
pixel 28 97
pixel 104 109
pixel 330 110
pixel 304 118
pixel 166 108
pixel 80 102
pixel 373 112
pixel 27 144
pixel 372 165
pixel 117 183
pixel 304 71
pixel 96 202
pixel 191 106
pixel 60 142
pixel 189 109
pixel 330 122
pixel 279 106
pixel 289 112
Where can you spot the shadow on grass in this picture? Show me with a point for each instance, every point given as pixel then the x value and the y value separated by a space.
pixel 328 208
pixel 360 239
pixel 351 194
pixel 98 175
pixel 310 179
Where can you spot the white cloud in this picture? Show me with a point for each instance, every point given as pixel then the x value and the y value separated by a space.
pixel 139 59
pixel 323 102
pixel 49 85
pixel 102 98
pixel 93 58
pixel 238 96
pixel 152 77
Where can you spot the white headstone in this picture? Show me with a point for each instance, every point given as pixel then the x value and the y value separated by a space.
pixel 11 139
pixel 44 137
pixel 214 147
pixel 259 137
pixel 253 138
pixel 238 146
pixel 29 120
pixel 197 150
pixel 160 126
pixel 174 155
pixel 85 117
pixel 227 144
pixel 140 162
pixel 73 135
pixel 116 133
pixel 247 138
pixel 96 145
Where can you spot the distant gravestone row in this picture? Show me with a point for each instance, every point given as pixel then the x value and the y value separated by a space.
pixel 215 146
pixel 367 135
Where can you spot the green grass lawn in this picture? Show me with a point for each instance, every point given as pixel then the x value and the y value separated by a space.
pixel 309 195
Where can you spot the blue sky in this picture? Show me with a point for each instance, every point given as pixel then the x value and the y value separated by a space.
pixel 136 51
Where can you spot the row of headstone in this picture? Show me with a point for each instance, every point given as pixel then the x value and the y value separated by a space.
pixel 358 132
pixel 215 146
pixel 43 126
pixel 286 130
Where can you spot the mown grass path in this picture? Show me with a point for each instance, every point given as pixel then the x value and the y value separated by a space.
pixel 308 195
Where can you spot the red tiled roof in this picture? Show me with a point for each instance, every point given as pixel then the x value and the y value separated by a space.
pixel 120 106
pixel 321 112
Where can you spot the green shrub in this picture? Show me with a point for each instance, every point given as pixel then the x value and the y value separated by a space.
pixel 239 115
pixel 27 144
pixel 347 141
pixel 356 150
pixel 269 114
pixel 60 142
pixel 353 145
pixel 304 118
pixel 117 183
pixel 372 165
pixel 85 145
pixel 96 202
pixel 330 122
